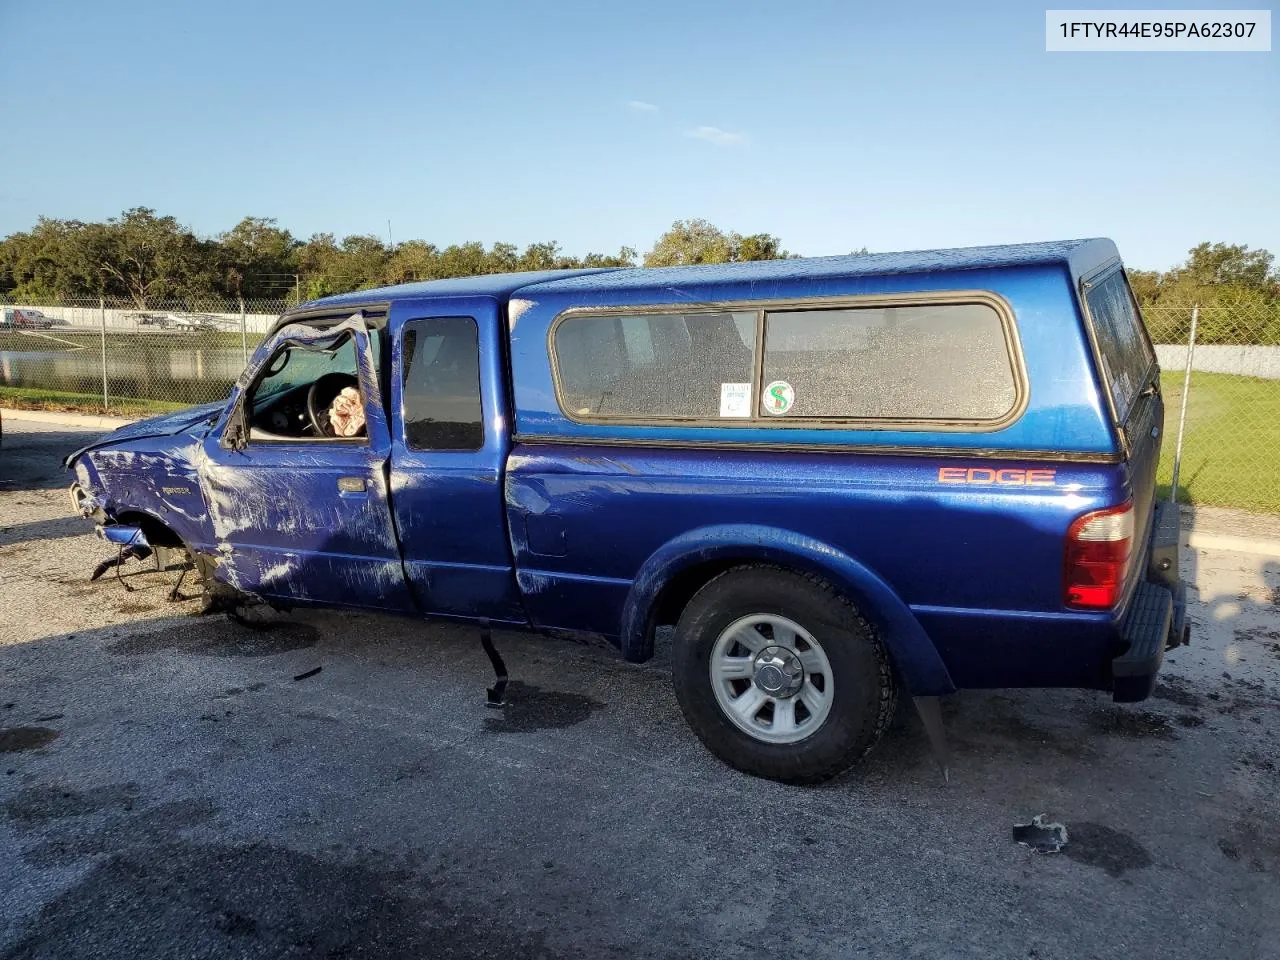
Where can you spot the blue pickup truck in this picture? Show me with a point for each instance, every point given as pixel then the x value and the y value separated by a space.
pixel 836 478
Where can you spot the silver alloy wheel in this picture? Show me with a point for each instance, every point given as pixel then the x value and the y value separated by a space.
pixel 771 678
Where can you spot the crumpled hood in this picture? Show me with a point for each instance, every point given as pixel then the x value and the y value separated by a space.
pixel 165 425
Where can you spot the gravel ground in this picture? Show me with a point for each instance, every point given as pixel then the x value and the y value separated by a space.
pixel 168 787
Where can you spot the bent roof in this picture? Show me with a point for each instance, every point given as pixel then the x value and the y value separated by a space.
pixel 484 285
pixel 1080 256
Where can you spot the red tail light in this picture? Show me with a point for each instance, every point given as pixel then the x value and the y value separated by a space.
pixel 1098 549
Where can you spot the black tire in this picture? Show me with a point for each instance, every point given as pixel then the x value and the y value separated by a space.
pixel 864 696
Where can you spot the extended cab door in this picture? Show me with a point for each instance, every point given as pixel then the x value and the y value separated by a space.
pixel 296 515
pixel 448 454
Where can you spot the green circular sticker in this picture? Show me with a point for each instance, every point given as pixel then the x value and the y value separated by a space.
pixel 779 397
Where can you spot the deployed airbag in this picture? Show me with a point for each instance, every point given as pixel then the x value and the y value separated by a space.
pixel 346 413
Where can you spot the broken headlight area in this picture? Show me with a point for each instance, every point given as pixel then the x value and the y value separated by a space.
pixel 86 504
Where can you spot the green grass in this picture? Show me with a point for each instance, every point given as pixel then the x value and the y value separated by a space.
pixel 36 398
pixel 1231 448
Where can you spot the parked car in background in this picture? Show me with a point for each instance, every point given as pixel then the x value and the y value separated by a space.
pixel 835 478
pixel 25 318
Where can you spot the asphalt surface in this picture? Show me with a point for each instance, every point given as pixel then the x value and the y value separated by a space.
pixel 169 789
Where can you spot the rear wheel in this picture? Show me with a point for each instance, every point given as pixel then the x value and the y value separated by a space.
pixel 779 676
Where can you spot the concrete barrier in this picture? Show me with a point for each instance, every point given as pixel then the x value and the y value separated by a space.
pixel 1245 361
pixel 91 316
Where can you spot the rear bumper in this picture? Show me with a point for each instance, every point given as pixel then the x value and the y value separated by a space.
pixel 1156 618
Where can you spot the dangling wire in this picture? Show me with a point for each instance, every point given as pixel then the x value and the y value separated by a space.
pixel 174 594
pixel 120 558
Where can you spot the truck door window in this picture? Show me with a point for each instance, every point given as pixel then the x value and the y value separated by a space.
pixel 1123 346
pixel 296 377
pixel 441 384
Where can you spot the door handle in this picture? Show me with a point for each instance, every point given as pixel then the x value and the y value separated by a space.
pixel 351 485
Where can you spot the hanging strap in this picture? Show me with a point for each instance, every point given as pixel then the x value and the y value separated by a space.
pixel 495 696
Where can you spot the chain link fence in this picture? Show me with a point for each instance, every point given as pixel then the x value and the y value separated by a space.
pixel 112 356
pixel 1220 373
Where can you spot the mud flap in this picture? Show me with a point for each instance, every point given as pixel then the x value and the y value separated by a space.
pixel 930 710
pixel 495 696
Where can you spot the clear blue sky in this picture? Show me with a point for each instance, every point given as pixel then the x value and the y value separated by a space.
pixel 834 125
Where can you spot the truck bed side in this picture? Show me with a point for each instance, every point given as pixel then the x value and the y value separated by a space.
pixel 976 562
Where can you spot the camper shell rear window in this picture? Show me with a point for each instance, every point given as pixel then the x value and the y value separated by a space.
pixel 1124 349
pixel 921 362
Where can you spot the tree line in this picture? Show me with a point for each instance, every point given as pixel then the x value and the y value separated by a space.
pixel 143 258
pixel 1237 289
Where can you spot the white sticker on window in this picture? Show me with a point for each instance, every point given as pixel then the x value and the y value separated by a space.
pixel 735 399
pixel 779 397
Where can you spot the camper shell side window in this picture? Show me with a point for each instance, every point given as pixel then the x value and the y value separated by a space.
pixel 927 362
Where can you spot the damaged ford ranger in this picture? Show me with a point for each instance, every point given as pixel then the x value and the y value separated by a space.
pixel 835 478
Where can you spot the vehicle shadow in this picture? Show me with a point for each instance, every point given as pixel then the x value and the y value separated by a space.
pixel 69 526
pixel 1056 732
pixel 32 460
pixel 349 755
pixel 1069 730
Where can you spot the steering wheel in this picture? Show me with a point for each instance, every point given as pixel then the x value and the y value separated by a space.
pixel 320 423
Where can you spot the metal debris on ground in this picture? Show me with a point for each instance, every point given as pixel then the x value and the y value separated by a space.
pixel 1040 836
pixel 123 555
pixel 176 595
